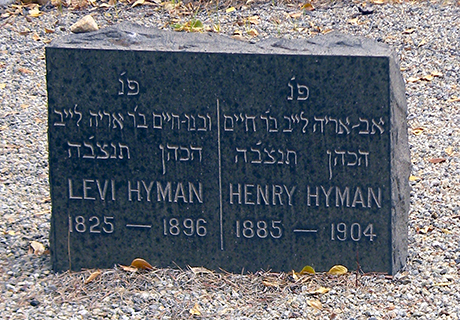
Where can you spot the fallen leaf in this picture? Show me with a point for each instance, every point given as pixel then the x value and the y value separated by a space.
pixel 442 284
pixel 425 229
pixel 308 6
pixel 49 30
pixel 37 247
pixel 36 37
pixel 24 32
pixel 449 151
pixel 141 264
pixel 353 21
pixel 413 79
pixel 315 303
pixel 294 275
pixel 24 70
pixel 128 268
pixel 320 290
pixel 453 99
pixel 446 231
pixel 93 276
pixel 231 9
pixel 296 15
pixel 2 85
pixel 418 131
pixel 195 311
pixel 409 31
pixel 414 178
pixel 437 160
pixel 428 77
pixel 138 3
pixel 423 42
pixel 254 20
pixel 307 270
pixel 378 1
pixel 253 33
pixel 338 270
pixel 35 12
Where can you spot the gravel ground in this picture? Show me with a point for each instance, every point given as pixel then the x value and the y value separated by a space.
pixel 426 36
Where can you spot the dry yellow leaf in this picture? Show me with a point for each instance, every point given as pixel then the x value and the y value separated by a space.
pixel 418 131
pixel 138 3
pixel 353 21
pixel 414 178
pixel 49 30
pixel 195 311
pixel 307 270
pixel 295 15
pixel 254 20
pixel 315 303
pixel 378 1
pixel 409 31
pixel 36 37
pixel 24 70
pixel 413 79
pixel 425 229
pixel 2 85
pixel 141 264
pixel 308 6
pixel 35 12
pixel 93 276
pixel 295 275
pixel 338 270
pixel 428 77
pixel 231 9
pixel 442 284
pixel 449 151
pixel 320 290
pixel 128 268
pixel 437 160
pixel 169 6
pixel 423 42
pixel 38 248
pixel 453 99
pixel 253 33
pixel 446 231
pixel 24 32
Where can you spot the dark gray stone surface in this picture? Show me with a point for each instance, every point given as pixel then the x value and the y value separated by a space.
pixel 197 149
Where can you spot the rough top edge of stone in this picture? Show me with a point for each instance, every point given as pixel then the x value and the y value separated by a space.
pixel 129 36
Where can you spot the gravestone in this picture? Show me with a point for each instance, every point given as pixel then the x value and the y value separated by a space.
pixel 197 149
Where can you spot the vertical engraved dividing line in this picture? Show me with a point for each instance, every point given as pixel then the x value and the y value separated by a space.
pixel 220 179
pixel 68 244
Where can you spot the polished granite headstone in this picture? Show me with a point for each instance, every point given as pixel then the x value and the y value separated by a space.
pixel 197 149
